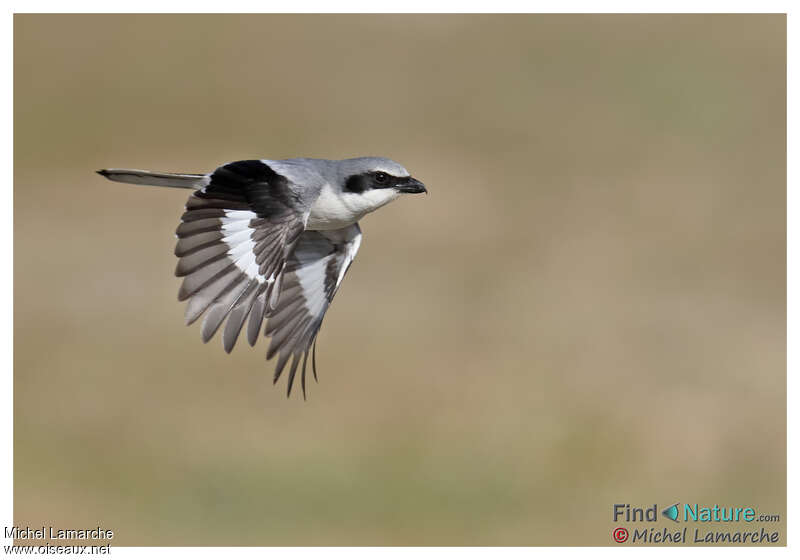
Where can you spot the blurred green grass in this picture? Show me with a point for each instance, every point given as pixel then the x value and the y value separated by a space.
pixel 589 308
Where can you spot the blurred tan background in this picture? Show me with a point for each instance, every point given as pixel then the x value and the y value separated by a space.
pixel 588 308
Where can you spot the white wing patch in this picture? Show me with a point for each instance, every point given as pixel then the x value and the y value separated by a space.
pixel 238 236
pixel 352 249
pixel 309 278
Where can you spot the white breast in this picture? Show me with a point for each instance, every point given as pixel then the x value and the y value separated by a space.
pixel 334 210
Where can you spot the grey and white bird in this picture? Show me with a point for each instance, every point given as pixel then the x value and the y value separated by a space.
pixel 265 239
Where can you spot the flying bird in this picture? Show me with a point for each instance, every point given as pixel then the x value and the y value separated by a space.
pixel 272 240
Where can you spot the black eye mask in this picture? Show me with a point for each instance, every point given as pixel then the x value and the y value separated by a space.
pixel 372 180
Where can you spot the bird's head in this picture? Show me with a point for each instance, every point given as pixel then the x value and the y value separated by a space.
pixel 365 184
pixel 361 175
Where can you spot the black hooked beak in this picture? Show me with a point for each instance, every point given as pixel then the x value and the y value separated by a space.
pixel 411 185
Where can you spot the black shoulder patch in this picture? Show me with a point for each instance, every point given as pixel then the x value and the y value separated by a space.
pixel 254 183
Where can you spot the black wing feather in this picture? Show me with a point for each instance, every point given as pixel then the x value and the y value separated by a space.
pixel 233 242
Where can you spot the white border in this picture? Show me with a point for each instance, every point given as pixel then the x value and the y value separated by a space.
pixel 407 6
pixel 792 214
pixel 7 281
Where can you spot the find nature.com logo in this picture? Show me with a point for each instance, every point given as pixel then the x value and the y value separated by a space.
pixel 692 513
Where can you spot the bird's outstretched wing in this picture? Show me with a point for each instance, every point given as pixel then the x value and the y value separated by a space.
pixel 314 271
pixel 233 244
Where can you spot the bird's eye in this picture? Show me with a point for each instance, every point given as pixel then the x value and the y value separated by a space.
pixel 381 177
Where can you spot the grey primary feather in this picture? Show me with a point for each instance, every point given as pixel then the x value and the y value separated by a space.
pixel 237 317
pixel 256 318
